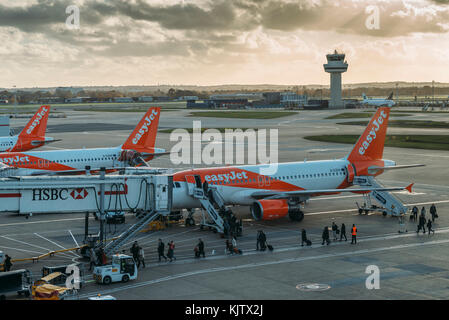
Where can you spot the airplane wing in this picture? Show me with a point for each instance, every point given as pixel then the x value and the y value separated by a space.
pixel 316 192
pixel 374 169
pixel 38 142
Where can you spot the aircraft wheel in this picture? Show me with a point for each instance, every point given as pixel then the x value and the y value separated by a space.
pixel 296 216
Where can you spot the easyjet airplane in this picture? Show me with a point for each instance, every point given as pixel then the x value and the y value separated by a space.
pixel 138 147
pixel 280 194
pixel 32 136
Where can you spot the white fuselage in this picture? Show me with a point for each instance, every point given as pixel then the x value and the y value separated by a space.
pixel 44 162
pixel 7 143
pixel 378 102
pixel 290 176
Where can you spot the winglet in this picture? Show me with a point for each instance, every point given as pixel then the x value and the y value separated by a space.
pixel 409 187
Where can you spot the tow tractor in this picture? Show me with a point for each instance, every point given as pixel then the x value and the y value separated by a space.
pixel 123 268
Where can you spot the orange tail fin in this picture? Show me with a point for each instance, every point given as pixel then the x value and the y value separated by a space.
pixel 37 126
pixel 370 145
pixel 143 138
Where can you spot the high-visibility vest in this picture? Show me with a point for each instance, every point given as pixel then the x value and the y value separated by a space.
pixel 354 231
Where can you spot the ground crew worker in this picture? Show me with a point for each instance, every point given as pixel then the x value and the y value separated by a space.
pixel 201 248
pixel 433 212
pixel 135 251
pixel 429 226
pixel 354 234
pixel 325 236
pixel 8 264
pixel 160 250
pixel 343 232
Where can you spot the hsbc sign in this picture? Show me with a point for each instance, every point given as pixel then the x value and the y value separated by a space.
pixel 79 193
pixel 52 194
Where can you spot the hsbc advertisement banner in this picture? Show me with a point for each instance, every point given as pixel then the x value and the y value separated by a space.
pixel 59 200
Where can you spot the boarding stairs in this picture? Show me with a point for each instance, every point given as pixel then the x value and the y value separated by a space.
pixel 144 219
pixel 390 204
pixel 207 200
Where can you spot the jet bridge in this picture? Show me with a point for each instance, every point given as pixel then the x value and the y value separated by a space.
pixel 149 190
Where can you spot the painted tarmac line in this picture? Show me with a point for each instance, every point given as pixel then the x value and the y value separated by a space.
pixel 269 263
pixel 24 250
pixel 56 244
pixel 43 221
pixel 26 243
pixel 74 240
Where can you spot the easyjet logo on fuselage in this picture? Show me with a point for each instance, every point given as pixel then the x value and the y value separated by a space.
pixel 36 121
pixel 226 176
pixel 372 133
pixel 145 126
pixel 14 160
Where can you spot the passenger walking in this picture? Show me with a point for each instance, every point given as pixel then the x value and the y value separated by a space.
pixel 160 250
pixel 263 241
pixel 229 247
pixel 433 212
pixel 343 232
pixel 429 226
pixel 303 237
pixel 141 258
pixel 415 213
pixel 422 224
pixel 8 263
pixel 201 248
pixel 423 212
pixel 171 251
pixel 334 230
pixel 325 236
pixel 234 246
pixel 354 235
pixel 258 244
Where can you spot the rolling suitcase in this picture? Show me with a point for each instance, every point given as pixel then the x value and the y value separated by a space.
pixel 309 243
pixel 270 247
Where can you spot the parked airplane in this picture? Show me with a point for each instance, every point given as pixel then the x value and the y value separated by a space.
pixel 139 147
pixel 32 136
pixel 281 194
pixel 388 102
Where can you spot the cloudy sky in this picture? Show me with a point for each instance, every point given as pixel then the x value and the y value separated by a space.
pixel 202 42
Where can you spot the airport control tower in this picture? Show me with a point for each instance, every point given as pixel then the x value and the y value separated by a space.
pixel 335 65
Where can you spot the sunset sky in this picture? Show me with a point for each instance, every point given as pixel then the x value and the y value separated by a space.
pixel 200 42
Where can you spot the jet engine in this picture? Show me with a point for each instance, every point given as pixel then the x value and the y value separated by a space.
pixel 133 158
pixel 275 209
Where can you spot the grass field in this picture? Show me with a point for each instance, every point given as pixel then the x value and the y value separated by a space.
pixel 423 124
pixel 365 114
pixel 430 142
pixel 243 114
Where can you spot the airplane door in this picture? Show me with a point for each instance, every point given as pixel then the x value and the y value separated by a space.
pixel 190 184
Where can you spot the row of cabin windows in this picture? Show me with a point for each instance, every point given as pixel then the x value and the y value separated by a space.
pixel 66 161
pixel 304 176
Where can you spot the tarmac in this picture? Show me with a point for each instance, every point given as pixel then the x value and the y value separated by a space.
pixel 411 265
